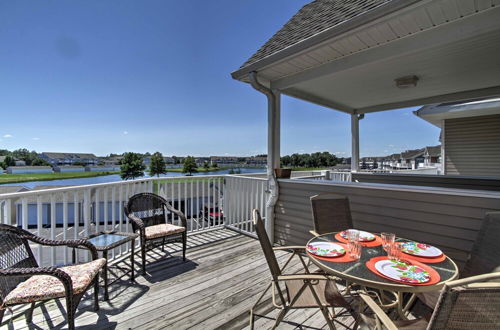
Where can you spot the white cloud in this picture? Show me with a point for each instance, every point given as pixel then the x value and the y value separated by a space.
pixel 7 136
pixel 36 138
pixel 125 132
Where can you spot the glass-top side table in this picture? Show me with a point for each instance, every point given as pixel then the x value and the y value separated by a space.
pixel 105 241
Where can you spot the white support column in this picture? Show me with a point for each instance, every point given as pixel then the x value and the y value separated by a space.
pixel 273 157
pixel 355 142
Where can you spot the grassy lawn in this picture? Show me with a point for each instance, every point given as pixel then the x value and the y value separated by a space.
pixel 18 178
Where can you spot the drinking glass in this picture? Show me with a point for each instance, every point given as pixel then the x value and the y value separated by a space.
pixel 353 235
pixel 354 250
pixel 387 240
pixel 394 252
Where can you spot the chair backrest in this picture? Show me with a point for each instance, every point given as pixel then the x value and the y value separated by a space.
pixel 330 212
pixel 15 252
pixel 151 209
pixel 471 303
pixel 266 245
pixel 485 255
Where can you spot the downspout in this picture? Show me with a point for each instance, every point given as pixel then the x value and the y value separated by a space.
pixel 272 162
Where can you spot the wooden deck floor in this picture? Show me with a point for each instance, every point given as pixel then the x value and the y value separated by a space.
pixel 214 289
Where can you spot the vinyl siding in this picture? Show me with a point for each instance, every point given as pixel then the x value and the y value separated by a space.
pixel 472 146
pixel 447 218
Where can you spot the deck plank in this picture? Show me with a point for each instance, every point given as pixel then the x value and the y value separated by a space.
pixel 223 277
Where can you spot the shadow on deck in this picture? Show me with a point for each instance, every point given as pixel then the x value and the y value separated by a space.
pixel 214 289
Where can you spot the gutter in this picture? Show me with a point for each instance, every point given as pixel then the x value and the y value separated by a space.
pixel 272 181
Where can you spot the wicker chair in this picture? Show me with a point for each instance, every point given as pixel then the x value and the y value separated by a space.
pixel 304 290
pixel 331 212
pixel 149 214
pixel 484 257
pixel 23 281
pixel 469 303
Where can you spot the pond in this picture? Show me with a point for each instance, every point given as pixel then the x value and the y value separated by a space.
pixel 116 177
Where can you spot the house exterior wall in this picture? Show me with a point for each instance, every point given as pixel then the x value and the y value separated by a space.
pixel 472 146
pixel 102 168
pixel 447 218
pixel 68 169
pixel 21 170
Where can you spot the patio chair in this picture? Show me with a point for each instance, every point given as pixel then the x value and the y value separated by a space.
pixel 331 213
pixel 469 303
pixel 22 281
pixel 305 290
pixel 150 215
pixel 484 257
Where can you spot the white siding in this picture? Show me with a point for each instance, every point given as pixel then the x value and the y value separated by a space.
pixel 472 146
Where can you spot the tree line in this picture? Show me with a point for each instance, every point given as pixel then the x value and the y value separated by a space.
pixel 29 157
pixel 316 159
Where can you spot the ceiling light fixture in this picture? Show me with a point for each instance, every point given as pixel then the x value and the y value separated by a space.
pixel 406 81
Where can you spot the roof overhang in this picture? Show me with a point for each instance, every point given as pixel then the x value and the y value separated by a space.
pixel 435 114
pixel 452 46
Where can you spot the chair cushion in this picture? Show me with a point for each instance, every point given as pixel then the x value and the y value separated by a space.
pixel 43 287
pixel 162 230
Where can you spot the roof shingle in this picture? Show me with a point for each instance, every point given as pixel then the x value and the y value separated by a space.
pixel 312 19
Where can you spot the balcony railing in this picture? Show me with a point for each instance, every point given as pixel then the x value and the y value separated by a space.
pixel 76 212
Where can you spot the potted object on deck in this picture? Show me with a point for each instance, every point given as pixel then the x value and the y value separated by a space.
pixel 283 173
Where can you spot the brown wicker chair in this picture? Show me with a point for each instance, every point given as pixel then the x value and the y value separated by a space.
pixel 149 215
pixel 469 303
pixel 484 257
pixel 23 281
pixel 331 212
pixel 304 290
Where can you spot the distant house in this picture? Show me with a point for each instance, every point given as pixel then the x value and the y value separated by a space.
pixel 68 169
pixel 68 158
pixel 224 160
pixel 20 163
pixel 432 156
pixel 28 169
pixel 105 168
pixel 470 136
pixel 411 159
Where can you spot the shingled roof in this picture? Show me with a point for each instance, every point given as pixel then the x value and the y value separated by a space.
pixel 313 18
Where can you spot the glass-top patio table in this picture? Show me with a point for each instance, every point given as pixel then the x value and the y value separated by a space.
pixel 357 272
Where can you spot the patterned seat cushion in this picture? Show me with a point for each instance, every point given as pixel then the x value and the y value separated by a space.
pixel 163 230
pixel 42 287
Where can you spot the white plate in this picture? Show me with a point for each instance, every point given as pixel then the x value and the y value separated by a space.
pixel 400 271
pixel 325 249
pixel 364 236
pixel 420 249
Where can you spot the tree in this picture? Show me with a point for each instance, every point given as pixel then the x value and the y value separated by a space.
pixel 9 161
pixel 189 165
pixel 25 154
pixel 157 166
pixel 132 166
pixel 214 165
pixel 206 166
pixel 39 162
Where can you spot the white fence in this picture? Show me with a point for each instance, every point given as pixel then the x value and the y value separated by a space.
pixel 76 212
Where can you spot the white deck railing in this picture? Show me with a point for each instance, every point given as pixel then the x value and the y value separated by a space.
pixel 76 212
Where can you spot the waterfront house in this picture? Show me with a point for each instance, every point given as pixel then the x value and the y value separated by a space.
pixel 69 158
pixel 103 168
pixel 28 169
pixel 432 156
pixel 68 169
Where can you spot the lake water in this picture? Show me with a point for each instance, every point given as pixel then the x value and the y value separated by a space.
pixel 116 177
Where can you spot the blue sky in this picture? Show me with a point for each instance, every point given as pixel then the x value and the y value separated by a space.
pixel 117 75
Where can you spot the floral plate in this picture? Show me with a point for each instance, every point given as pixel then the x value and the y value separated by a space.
pixel 325 249
pixel 364 236
pixel 420 249
pixel 402 271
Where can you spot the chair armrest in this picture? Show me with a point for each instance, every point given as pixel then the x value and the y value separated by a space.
pixel 382 316
pixel 49 271
pixel 137 221
pixel 305 277
pixel 293 248
pixel 178 213
pixel 79 243
pixel 313 232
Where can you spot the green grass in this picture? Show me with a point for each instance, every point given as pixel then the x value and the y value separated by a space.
pixel 18 178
